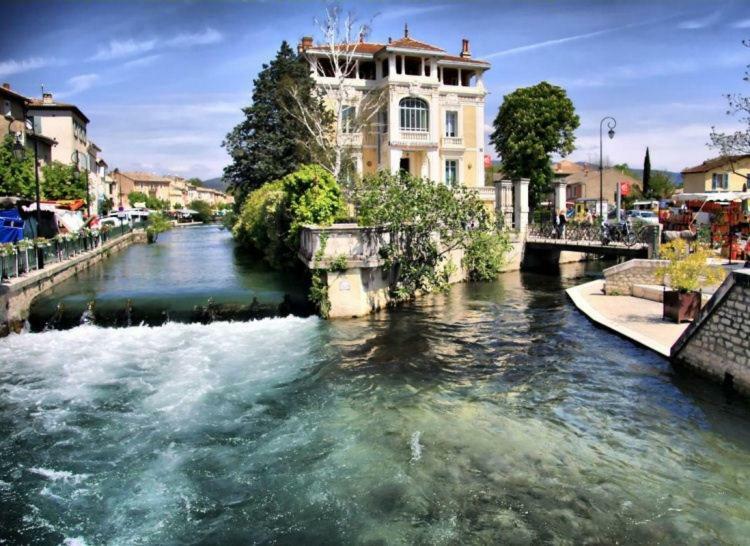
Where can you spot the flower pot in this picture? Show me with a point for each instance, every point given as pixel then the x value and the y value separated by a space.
pixel 680 306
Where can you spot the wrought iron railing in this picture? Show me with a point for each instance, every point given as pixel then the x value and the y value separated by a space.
pixel 623 234
pixel 21 258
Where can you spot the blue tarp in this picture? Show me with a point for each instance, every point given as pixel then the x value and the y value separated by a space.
pixel 11 226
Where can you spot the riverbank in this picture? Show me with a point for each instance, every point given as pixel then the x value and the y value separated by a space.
pixel 637 319
pixel 17 294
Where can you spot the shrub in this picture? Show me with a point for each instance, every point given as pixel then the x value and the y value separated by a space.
pixel 485 253
pixel 688 271
pixel 426 221
pixel 204 212
pixel 271 216
pixel 157 223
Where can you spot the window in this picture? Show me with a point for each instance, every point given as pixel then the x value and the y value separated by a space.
pixel 451 172
pixel 386 67
pixel 414 115
pixel 413 66
pixel 720 181
pixel 348 115
pixel 451 124
pixel 7 109
pixel 450 76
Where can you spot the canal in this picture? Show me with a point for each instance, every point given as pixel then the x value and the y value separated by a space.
pixel 493 414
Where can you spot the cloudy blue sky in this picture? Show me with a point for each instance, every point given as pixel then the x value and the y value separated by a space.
pixel 163 82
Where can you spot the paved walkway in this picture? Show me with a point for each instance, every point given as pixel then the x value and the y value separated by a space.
pixel 635 318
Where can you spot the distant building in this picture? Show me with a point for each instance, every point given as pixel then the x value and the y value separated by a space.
pixel 13 122
pixel 718 174
pixel 582 181
pixel 151 184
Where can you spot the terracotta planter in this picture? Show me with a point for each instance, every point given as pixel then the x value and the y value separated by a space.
pixel 680 306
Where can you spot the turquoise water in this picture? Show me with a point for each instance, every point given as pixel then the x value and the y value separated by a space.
pixel 494 414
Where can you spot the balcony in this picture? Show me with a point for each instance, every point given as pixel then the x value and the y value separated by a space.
pixel 420 139
pixel 353 140
pixel 453 142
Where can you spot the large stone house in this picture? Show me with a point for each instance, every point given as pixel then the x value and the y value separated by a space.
pixel 431 117
pixel 718 174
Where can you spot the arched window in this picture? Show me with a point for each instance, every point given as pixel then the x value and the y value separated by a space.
pixel 415 114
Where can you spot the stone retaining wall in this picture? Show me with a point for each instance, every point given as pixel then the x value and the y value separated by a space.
pixel 620 278
pixel 17 295
pixel 717 344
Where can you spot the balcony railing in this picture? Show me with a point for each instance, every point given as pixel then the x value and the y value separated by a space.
pixel 350 139
pixel 414 138
pixel 453 142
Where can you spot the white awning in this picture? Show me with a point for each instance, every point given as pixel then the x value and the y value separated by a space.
pixel 723 196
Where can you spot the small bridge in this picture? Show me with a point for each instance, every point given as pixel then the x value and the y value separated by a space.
pixel 587 239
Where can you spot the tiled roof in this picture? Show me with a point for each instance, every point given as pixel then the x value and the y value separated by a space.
pixel 408 43
pixel 360 47
pixel 456 58
pixel 39 103
pixel 714 163
pixel 139 176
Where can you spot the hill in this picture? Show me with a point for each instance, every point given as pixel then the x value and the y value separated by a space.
pixel 215 184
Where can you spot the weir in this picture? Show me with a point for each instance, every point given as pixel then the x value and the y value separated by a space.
pixel 17 294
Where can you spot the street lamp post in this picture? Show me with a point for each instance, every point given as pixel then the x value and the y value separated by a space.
pixel 611 124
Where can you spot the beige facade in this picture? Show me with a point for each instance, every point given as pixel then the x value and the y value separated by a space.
pixel 172 189
pixel 431 121
pixel 718 174
pixel 13 122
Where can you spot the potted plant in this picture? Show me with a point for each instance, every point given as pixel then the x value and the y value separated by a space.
pixel 687 273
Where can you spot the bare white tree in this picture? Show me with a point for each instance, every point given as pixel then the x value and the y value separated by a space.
pixel 350 110
pixel 733 145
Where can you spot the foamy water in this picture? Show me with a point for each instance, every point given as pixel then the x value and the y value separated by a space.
pixel 493 414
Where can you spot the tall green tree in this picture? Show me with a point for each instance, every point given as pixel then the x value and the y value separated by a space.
pixel 16 176
pixel 647 174
pixel 533 123
pixel 661 186
pixel 265 146
pixel 63 182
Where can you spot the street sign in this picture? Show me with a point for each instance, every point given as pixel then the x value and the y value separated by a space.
pixel 625 188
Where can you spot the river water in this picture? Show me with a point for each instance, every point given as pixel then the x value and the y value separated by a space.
pixel 493 414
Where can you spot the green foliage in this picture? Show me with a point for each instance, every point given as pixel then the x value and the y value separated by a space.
pixel 484 256
pixel 204 210
pixel 16 177
pixel 313 197
pixel 265 145
pixel 532 123
pixel 195 181
pixel 260 224
pixel 135 197
pixel 338 264
pixel 272 215
pixel 157 223
pixel 63 182
pixel 624 168
pixel 661 186
pixel 688 272
pixel 318 294
pixel 647 174
pixel 426 221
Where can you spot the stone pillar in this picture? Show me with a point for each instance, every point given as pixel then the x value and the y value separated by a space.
pixel 559 201
pixel 395 159
pixel 521 205
pixel 433 160
pixel 504 202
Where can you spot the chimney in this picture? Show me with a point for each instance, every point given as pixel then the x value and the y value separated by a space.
pixel 6 86
pixel 305 42
pixel 465 52
pixel 47 98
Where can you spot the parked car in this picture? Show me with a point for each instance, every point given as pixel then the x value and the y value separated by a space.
pixel 643 216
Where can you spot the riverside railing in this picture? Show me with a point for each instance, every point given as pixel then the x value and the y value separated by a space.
pixel 21 258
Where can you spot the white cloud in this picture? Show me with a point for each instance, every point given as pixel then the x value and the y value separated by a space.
pixel 702 22
pixel 143 61
pixel 117 49
pixel 566 39
pixel 79 83
pixel 12 66
pixel 208 36
pixel 745 23
pixel 403 13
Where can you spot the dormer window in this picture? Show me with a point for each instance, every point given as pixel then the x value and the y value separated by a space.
pixel 7 109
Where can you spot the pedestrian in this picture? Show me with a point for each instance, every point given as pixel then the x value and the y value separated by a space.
pixel 562 220
pixel 557 225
